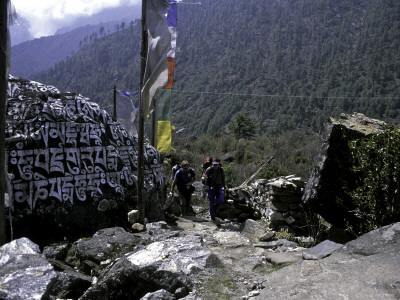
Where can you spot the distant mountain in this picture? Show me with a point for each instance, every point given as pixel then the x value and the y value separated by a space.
pixel 19 33
pixel 32 56
pixel 39 54
pixel 289 63
pixel 111 16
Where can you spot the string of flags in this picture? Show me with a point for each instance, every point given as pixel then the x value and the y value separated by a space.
pixel 161 21
pixel 158 79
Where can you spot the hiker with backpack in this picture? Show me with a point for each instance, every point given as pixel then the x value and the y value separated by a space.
pixel 215 182
pixel 204 167
pixel 184 179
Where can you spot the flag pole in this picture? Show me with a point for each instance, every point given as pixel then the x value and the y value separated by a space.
pixel 143 54
pixel 153 138
pixel 115 102
pixel 3 96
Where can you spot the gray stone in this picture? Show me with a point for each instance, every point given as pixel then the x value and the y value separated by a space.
pixel 385 239
pixel 181 292
pixel 69 284
pixel 133 216
pixel 321 250
pixel 108 243
pixel 231 239
pixel 252 230
pixel 160 265
pixel 56 252
pixel 182 253
pixel 268 236
pixel 280 243
pixel 173 206
pixel 331 179
pixel 159 295
pixel 137 227
pixel 24 272
pixel 155 226
pixel 366 268
pixel 283 258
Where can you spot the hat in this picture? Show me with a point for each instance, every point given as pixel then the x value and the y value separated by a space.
pixel 215 162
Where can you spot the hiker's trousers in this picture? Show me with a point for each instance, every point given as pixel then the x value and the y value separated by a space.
pixel 216 197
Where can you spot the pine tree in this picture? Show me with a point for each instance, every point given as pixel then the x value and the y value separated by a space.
pixel 243 126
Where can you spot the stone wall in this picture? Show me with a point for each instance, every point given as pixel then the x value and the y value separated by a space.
pixel 278 201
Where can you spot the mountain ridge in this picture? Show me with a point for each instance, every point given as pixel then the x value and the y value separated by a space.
pixel 291 64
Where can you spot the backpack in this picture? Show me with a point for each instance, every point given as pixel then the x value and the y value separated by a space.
pixel 175 169
pixel 210 171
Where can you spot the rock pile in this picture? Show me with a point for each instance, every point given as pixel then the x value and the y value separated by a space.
pixel 195 259
pixel 277 201
pixel 285 205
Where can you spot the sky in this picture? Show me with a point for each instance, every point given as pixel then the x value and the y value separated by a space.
pixel 46 16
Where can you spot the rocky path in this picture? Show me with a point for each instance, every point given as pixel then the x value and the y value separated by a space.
pixel 243 262
pixel 194 258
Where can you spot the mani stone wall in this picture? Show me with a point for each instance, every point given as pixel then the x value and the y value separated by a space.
pixel 71 166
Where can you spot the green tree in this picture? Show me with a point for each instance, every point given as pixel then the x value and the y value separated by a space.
pixel 243 126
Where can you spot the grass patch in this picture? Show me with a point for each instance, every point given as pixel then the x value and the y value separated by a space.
pixel 219 285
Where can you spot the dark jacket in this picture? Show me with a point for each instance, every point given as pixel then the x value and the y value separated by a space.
pixel 215 177
pixel 182 178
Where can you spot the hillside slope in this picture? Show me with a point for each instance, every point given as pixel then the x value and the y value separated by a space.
pixel 289 63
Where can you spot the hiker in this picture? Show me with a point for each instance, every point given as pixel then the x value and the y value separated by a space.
pixel 184 178
pixel 204 167
pixel 215 182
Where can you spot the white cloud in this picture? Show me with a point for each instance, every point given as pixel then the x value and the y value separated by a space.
pixel 46 16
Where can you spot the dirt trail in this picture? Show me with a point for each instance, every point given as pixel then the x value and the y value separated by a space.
pixel 241 268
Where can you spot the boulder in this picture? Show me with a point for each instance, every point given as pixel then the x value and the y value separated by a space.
pixel 108 243
pixel 24 272
pixel 328 189
pixel 58 252
pixel 133 216
pixel 159 295
pixel 365 268
pixel 160 265
pixel 69 284
pixel 252 230
pixel 137 227
pixel 321 250
pixel 71 166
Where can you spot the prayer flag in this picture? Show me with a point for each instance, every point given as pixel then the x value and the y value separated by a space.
pixel 163 116
pixel 126 112
pixel 160 63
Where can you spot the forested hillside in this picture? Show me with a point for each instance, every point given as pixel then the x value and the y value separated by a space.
pixel 290 64
pixel 39 54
